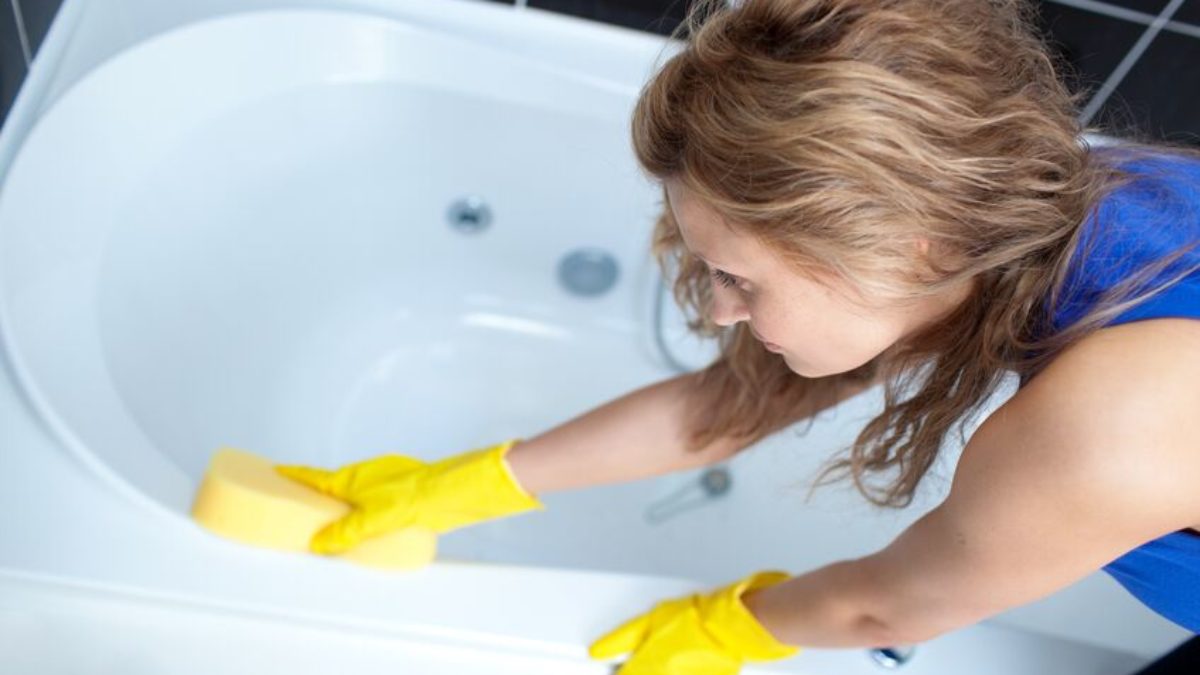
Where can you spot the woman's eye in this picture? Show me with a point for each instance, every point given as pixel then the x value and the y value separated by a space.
pixel 724 278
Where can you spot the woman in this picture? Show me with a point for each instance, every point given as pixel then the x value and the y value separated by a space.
pixel 895 192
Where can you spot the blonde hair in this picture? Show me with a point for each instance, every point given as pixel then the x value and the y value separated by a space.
pixel 840 131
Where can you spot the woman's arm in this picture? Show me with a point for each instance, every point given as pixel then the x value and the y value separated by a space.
pixel 638 435
pixel 1092 458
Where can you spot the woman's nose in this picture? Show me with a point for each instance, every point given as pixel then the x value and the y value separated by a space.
pixel 728 308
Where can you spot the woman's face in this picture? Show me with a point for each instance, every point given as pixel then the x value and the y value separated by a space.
pixel 818 330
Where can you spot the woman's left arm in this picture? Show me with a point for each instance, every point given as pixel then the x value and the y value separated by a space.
pixel 1093 457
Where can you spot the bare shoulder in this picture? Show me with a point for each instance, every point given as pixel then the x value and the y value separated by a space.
pixel 1155 357
pixel 1121 410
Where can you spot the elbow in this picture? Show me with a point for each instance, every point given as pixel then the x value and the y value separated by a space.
pixel 884 625
pixel 905 629
pixel 889 614
pixel 879 632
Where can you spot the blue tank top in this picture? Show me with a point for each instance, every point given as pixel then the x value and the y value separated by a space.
pixel 1139 222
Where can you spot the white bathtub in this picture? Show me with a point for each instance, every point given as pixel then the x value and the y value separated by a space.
pixel 235 232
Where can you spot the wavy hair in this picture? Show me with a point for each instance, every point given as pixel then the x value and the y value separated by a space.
pixel 838 131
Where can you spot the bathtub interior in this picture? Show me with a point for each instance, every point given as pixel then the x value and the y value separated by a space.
pixel 252 248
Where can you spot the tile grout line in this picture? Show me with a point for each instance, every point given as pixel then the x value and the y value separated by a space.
pixel 1126 14
pixel 1127 63
pixel 1107 9
pixel 20 20
pixel 1182 28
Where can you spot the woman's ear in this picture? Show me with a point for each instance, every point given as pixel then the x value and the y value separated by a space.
pixel 937 257
pixel 925 255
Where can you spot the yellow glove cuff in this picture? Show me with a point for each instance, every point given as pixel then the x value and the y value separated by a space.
pixel 474 486
pixel 733 624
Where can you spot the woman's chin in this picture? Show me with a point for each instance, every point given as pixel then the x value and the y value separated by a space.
pixel 796 367
pixel 804 369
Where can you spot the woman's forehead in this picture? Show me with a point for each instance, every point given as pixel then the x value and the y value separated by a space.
pixel 705 233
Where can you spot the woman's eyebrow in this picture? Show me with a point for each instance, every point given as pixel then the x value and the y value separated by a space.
pixel 711 264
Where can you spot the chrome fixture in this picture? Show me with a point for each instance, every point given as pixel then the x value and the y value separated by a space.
pixel 469 214
pixel 588 271
pixel 891 657
pixel 714 482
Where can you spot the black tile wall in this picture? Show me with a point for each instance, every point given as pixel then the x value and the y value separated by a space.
pixel 12 60
pixel 1147 6
pixel 38 14
pixel 1092 44
pixel 1159 95
pixel 1188 12
pixel 656 16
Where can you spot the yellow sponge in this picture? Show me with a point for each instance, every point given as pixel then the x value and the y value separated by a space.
pixel 243 498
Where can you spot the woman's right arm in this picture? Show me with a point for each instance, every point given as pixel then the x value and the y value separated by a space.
pixel 638 435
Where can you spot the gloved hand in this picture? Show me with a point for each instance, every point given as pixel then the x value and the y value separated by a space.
pixel 701 634
pixel 390 492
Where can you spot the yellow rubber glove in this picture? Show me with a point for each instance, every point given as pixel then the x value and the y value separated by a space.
pixel 390 492
pixel 701 634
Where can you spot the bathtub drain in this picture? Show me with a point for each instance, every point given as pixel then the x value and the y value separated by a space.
pixel 588 271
